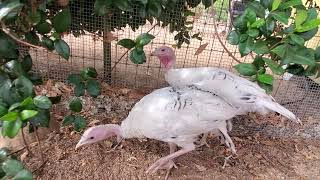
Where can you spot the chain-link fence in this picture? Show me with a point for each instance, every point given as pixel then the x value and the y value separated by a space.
pixel 299 94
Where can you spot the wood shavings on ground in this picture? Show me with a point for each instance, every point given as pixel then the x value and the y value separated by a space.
pixel 260 155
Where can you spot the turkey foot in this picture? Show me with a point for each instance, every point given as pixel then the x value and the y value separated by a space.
pixel 167 161
pixel 203 141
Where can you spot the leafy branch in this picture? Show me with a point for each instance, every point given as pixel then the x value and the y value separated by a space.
pixel 277 38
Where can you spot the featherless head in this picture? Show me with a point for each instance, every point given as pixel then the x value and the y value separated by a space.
pixel 166 56
pixel 99 133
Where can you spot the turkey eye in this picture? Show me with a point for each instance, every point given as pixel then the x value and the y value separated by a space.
pixel 162 50
pixel 92 137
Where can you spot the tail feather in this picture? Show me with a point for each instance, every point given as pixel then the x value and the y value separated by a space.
pixel 273 106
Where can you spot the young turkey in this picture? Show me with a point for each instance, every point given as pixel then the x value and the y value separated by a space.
pixel 238 91
pixel 173 115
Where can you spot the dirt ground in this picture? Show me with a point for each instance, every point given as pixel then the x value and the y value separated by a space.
pixel 260 156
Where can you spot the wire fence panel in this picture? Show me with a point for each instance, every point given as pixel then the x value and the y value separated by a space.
pixel 299 94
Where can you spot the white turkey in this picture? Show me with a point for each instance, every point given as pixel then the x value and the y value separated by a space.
pixel 173 115
pixel 238 91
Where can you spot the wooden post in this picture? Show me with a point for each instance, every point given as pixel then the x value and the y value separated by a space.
pixel 106 51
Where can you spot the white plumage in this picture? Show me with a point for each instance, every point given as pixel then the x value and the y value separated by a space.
pixel 173 115
pixel 238 91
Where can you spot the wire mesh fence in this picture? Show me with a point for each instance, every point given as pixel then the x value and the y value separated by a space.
pixel 99 50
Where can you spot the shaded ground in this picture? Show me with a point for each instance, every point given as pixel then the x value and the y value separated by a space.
pixel 260 156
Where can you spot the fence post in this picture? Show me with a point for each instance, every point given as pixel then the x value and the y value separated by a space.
pixel 106 51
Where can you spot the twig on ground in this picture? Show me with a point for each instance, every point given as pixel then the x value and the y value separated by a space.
pixel 17 151
pixel 25 142
pixel 41 165
pixel 39 144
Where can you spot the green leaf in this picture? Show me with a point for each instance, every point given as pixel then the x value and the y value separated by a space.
pixel 43 28
pixel 32 37
pixel 280 16
pixel 11 167
pixel 89 72
pixel 62 21
pixel 101 6
pixel 79 123
pixel 42 119
pixel 48 43
pixel 8 48
pixel 297 39
pixel 127 43
pixel 270 26
pixel 35 78
pixel 68 120
pixel 309 34
pixel 4 153
pixel 34 17
pixel 303 56
pixel 266 3
pixel 11 128
pixel 258 62
pixel 9 7
pixel 11 116
pixel 93 87
pixel 79 89
pixel 144 39
pixel 241 23
pixel 137 56
pixel 295 69
pixel 317 54
pixel 26 63
pixel 253 32
pixel 26 114
pixel 233 38
pixel 3 110
pixel 154 8
pixel 265 78
pixel 250 15
pixel 27 102
pixel 266 87
pixel 62 48
pixel 309 25
pixel 42 102
pixel 246 69
pixel 74 79
pixel 257 8
pixel 301 16
pixel 275 68
pixel 311 70
pixel 291 3
pixel 312 14
pixel 14 106
pixel 275 4
pixel 246 47
pixel 260 47
pixel 14 68
pixel 23 175
pixel 243 37
pixel 75 105
pixel 207 3
pixel 124 5
pixel 258 23
pixel 23 86
pixel 8 93
pixel 280 50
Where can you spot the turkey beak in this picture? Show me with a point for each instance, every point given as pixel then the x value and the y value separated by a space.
pixel 78 145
